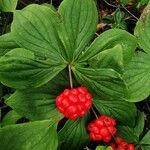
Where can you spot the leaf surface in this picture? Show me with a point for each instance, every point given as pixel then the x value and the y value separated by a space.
pixel 34 105
pixel 20 69
pixel 110 58
pixel 109 39
pixel 74 135
pixel 80 20
pixel 142 30
pixel 106 83
pixel 128 134
pixel 137 77
pixel 32 31
pixel 6 43
pixel 10 118
pixel 123 111
pixel 8 5
pixel 146 139
pixel 39 135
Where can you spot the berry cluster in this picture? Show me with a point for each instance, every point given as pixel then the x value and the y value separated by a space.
pixel 103 128
pixel 120 144
pixel 74 103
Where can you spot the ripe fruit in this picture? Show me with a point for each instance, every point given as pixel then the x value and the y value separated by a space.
pixel 103 128
pixel 74 103
pixel 120 144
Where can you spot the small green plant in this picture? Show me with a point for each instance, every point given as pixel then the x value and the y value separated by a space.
pixel 56 71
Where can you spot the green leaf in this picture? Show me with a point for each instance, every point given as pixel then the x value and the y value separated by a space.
pixel 110 58
pixel 103 148
pixel 145 147
pixel 34 105
pixel 109 39
pixel 8 5
pixel 142 2
pixel 56 85
pixel 20 69
pixel 128 134
pixel 137 76
pixel 146 139
pixel 139 125
pixel 32 31
pixel 142 30
pixel 121 110
pixel 124 2
pixel 107 83
pixel 80 20
pixel 6 43
pixel 74 135
pixel 39 135
pixel 10 118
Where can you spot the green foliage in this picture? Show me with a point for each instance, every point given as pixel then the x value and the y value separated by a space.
pixel 128 134
pixel 34 105
pixel 73 135
pixel 10 118
pixel 116 19
pixel 6 44
pixel 21 69
pixel 32 31
pixel 8 5
pixel 80 20
pixel 134 134
pixel 34 58
pixel 98 81
pixel 142 2
pixel 117 108
pixel 142 30
pixel 145 142
pixel 109 58
pixel 29 136
pixel 139 125
pixel 146 138
pixel 124 2
pixel 138 71
pixel 110 39
pixel 103 148
pixel 137 75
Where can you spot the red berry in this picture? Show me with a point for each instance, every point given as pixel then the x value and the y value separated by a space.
pixel 120 148
pixel 118 140
pixel 107 138
pixel 103 126
pixel 124 144
pixel 131 147
pixel 74 103
pixel 113 145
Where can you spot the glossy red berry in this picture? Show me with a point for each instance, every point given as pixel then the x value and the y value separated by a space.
pixel 102 129
pixel 131 147
pixel 74 103
pixel 120 144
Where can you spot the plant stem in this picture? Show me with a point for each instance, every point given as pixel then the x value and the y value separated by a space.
pixel 51 2
pixel 94 112
pixel 121 7
pixel 70 76
pixel 110 4
pixel 129 12
pixel 96 34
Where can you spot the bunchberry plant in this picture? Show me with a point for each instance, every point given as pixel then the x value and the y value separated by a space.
pixel 58 69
